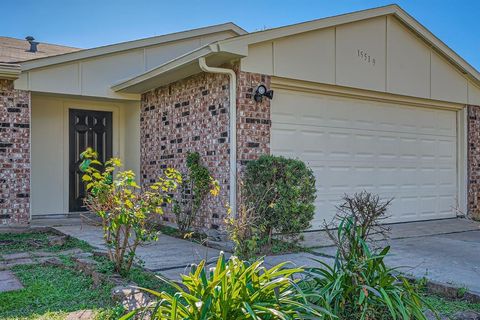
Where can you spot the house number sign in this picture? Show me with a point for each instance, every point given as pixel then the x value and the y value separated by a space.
pixel 365 57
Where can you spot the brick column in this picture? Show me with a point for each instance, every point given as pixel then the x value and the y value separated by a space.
pixel 14 155
pixel 253 119
pixel 473 157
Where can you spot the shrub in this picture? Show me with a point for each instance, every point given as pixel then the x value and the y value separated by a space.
pixel 282 191
pixel 196 184
pixel 366 211
pixel 233 290
pixel 122 206
pixel 359 285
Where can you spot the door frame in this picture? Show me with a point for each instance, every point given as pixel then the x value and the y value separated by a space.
pixel 117 136
pixel 73 206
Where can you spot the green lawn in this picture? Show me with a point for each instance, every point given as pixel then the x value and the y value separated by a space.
pixel 51 292
pixel 449 307
pixel 22 242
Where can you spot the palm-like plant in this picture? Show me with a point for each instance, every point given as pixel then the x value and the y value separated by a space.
pixel 234 289
pixel 360 286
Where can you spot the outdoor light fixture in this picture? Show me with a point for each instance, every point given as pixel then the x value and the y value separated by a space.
pixel 261 92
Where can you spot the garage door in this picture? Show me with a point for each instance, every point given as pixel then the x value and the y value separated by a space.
pixel 404 152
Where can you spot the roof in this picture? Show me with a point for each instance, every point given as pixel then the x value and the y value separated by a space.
pixel 16 50
pixel 123 46
pixel 238 47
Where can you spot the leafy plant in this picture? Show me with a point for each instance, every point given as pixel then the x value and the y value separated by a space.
pixel 359 285
pixel 124 209
pixel 243 229
pixel 197 183
pixel 234 290
pixel 282 192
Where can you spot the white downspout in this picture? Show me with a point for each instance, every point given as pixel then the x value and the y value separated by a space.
pixel 233 127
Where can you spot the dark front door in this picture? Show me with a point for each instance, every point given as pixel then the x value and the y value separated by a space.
pixel 87 129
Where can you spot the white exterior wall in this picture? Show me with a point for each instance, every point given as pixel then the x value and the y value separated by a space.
pixel 394 61
pixel 50 156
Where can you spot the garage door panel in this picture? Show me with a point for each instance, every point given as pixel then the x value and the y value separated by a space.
pixel 404 152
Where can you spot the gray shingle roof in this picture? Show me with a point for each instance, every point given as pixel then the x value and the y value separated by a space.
pixel 16 50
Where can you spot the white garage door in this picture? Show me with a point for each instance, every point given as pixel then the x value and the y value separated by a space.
pixel 404 152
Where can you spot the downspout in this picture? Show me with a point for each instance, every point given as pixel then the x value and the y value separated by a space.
pixel 233 127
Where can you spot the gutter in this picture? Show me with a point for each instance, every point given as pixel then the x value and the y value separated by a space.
pixel 9 71
pixel 233 127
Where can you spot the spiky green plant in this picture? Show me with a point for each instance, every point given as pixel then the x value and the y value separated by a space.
pixel 234 289
pixel 360 286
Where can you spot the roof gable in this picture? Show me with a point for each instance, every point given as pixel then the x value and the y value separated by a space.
pixel 131 45
pixel 326 50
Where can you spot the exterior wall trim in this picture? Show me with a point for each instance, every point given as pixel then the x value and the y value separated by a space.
pixel 462 162
pixel 335 90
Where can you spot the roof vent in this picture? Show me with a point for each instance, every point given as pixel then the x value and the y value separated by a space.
pixel 33 44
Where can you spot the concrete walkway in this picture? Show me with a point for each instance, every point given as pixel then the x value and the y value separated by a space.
pixel 446 251
pixel 167 254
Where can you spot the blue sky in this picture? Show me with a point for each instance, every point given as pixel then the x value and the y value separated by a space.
pixel 91 23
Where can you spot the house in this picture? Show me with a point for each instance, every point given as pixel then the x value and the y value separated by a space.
pixel 370 100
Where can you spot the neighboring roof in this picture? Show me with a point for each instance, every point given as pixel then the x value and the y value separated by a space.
pixel 123 46
pixel 238 46
pixel 14 50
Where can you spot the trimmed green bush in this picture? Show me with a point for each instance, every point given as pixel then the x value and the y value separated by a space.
pixel 282 191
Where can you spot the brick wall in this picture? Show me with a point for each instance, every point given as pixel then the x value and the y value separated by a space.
pixel 14 154
pixel 473 155
pixel 253 119
pixel 190 115
pixel 193 115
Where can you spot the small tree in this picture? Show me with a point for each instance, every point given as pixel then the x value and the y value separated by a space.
pixel 197 183
pixel 124 209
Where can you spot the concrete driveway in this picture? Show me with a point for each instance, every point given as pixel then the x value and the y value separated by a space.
pixel 447 252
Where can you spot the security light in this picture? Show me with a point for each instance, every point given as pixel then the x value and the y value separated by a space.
pixel 261 92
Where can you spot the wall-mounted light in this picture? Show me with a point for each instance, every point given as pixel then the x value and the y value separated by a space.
pixel 261 91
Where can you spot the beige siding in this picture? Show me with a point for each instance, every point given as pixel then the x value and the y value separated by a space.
pixel 259 59
pixel 316 46
pixel 50 146
pixel 473 94
pixel 407 58
pixel 95 76
pixel 395 61
pixel 446 82
pixel 353 70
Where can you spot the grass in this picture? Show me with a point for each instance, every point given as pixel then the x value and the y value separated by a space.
pixel 137 275
pixel 52 292
pixel 22 242
pixel 449 307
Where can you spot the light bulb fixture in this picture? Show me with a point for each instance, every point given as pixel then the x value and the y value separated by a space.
pixel 262 91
